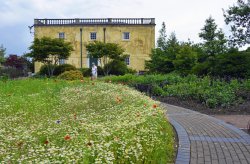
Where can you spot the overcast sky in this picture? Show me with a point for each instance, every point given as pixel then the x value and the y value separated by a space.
pixel 184 17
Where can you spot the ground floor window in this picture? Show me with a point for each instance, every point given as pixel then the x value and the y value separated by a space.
pixel 61 61
pixel 127 60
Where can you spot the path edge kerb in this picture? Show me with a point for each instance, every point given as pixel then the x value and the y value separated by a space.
pixel 183 151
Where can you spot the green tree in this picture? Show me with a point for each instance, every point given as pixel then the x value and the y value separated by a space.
pixel 159 62
pixel 173 46
pixel 214 40
pixel 233 64
pixel 162 59
pixel 214 43
pixel 2 54
pixel 185 59
pixel 238 17
pixel 49 51
pixel 162 39
pixel 106 53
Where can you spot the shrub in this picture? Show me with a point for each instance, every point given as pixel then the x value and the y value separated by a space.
pixel 4 78
pixel 71 75
pixel 86 72
pixel 62 68
pixel 157 90
pixel 117 67
pixel 131 71
pixel 211 103
pixel 44 69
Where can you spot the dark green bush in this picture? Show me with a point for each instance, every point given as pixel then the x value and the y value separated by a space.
pixel 131 71
pixel 71 75
pixel 62 68
pixel 4 77
pixel 44 71
pixel 117 67
pixel 157 90
pixel 86 72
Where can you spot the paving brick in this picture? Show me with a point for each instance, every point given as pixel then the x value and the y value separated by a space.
pixel 204 139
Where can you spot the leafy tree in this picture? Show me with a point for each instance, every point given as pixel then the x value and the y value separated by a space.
pixel 162 40
pixel 214 44
pixel 2 54
pixel 233 64
pixel 185 59
pixel 49 51
pixel 173 46
pixel 162 59
pixel 238 16
pixel 106 53
pixel 159 62
pixel 214 40
pixel 17 62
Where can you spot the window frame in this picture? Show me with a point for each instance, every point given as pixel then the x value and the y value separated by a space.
pixel 127 60
pixel 125 35
pixel 61 61
pixel 90 35
pixel 61 35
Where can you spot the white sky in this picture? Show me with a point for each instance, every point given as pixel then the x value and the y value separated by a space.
pixel 185 18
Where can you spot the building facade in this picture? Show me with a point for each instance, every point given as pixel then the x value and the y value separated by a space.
pixel 135 35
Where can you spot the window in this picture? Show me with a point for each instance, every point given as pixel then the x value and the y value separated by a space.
pixel 126 36
pixel 93 35
pixel 61 35
pixel 127 60
pixel 61 61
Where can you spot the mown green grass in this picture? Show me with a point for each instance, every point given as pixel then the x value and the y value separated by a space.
pixel 82 122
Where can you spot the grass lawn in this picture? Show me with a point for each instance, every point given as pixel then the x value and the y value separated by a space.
pixel 81 122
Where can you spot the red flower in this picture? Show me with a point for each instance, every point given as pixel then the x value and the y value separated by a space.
pixel 154 106
pixel 67 137
pixel 46 142
pixel 118 100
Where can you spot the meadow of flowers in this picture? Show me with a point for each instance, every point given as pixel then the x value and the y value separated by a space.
pixel 55 121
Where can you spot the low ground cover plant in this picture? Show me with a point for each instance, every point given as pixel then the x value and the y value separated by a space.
pixel 56 121
pixel 207 91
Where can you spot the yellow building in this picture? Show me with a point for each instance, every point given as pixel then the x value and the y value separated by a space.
pixel 135 35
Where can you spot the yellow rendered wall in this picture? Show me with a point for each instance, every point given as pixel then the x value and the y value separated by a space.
pixel 142 40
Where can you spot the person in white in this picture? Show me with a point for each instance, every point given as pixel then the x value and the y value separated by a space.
pixel 94 71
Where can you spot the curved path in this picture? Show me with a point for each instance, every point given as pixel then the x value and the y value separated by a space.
pixel 204 139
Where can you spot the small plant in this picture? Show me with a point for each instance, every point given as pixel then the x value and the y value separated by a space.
pixel 44 70
pixel 4 78
pixel 62 68
pixel 71 75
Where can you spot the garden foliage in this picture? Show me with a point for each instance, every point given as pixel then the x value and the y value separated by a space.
pixel 71 75
pixel 207 91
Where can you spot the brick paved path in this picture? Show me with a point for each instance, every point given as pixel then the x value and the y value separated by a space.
pixel 204 139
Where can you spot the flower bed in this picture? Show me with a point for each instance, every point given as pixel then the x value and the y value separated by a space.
pixel 81 121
